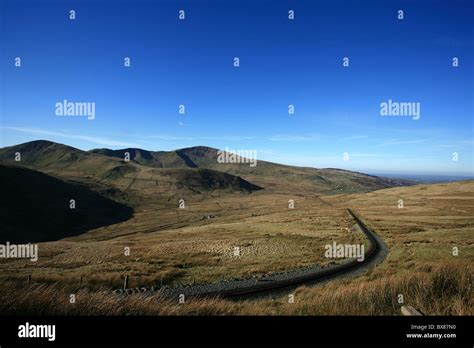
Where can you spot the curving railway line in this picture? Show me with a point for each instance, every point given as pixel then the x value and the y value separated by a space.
pixel 374 249
pixel 281 283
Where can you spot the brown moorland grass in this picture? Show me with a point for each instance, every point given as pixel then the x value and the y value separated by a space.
pixel 442 290
pixel 434 220
pixel 180 245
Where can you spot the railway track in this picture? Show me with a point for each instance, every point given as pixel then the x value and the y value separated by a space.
pixel 320 275
pixel 247 288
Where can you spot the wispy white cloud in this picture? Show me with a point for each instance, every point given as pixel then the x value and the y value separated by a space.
pixel 365 155
pixel 355 137
pixel 315 137
pixel 230 138
pixel 190 138
pixel 283 137
pixel 396 142
pixel 460 143
pixel 67 135
pixel 166 137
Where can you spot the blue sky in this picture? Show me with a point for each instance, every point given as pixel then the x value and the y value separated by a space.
pixel 282 62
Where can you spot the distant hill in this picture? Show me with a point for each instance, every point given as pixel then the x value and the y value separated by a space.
pixel 148 174
pixel 430 178
pixel 157 159
pixel 35 207
pixel 53 157
pixel 268 175
pixel 185 171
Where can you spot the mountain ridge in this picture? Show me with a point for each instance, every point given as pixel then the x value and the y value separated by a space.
pixel 69 163
pixel 268 172
pixel 108 164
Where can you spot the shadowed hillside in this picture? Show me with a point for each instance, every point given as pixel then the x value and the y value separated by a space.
pixel 201 171
pixel 268 175
pixel 110 167
pixel 148 174
pixel 36 207
pixel 205 179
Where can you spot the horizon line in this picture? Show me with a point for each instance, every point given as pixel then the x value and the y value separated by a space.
pixel 367 172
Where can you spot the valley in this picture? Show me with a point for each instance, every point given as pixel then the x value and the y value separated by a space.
pixel 280 222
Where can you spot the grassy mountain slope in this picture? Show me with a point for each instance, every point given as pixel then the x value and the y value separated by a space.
pixel 269 175
pixel 106 172
pixel 53 157
pixel 157 159
pixel 185 171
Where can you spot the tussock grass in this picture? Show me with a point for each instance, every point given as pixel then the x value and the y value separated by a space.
pixel 441 290
pixel 179 246
pixel 270 236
